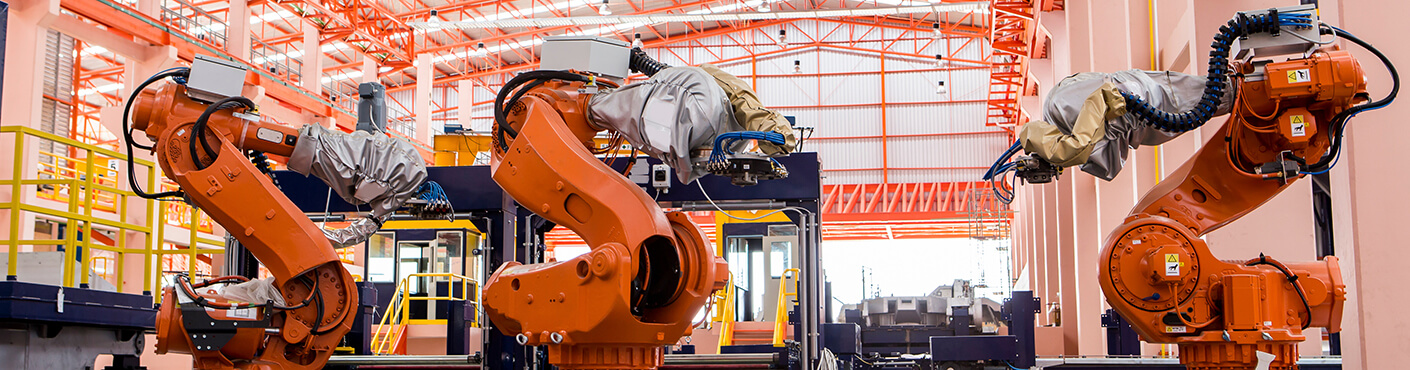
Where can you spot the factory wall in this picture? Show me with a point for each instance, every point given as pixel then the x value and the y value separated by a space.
pixel 877 115
pixel 1061 226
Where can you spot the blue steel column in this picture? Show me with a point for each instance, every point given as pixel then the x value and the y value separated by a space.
pixel 1020 311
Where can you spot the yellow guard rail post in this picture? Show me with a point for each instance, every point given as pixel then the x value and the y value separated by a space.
pixel 725 314
pixel 781 315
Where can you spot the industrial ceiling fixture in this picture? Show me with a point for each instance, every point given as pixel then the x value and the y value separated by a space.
pixel 604 9
pixel 939 61
pixel 941 89
pixel 797 66
pixel 783 38
pixel 704 15
pixel 764 7
pixel 935 30
pixel 636 41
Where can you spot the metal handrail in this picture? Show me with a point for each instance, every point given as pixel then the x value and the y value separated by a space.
pixel 396 319
pixel 292 67
pixel 781 315
pixel 190 24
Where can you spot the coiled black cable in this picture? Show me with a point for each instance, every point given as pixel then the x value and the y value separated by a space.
pixel 1292 279
pixel 532 79
pixel 199 129
pixel 1217 77
pixel 1340 120
pixel 261 162
pixel 179 74
pixel 640 62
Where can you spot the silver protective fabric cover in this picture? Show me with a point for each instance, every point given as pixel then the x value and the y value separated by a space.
pixel 1169 91
pixel 677 110
pixel 363 168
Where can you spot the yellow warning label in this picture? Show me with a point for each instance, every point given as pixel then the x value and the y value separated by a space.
pixel 1172 264
pixel 1299 76
pixel 1298 125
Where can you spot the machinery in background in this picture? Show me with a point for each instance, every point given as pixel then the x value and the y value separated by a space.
pixel 1288 117
pixel 901 328
pixel 915 333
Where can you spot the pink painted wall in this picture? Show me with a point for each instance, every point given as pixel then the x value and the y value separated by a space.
pixel 1369 198
pixel 1100 35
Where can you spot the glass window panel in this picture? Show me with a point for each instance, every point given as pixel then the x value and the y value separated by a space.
pixel 381 264
pixel 779 256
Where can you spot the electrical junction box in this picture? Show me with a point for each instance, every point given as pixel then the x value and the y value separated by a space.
pixel 660 176
pixel 598 55
pixel 213 79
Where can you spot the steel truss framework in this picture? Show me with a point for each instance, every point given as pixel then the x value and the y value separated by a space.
pixel 852 211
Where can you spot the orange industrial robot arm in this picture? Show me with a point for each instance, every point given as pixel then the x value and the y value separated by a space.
pixel 298 326
pixel 245 202
pixel 1287 118
pixel 649 272
pixel 1159 273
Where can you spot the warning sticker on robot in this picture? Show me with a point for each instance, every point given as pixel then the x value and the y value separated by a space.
pixel 1172 264
pixel 1176 329
pixel 1299 76
pixel 1299 125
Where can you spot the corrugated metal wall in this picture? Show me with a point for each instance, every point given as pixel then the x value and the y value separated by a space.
pixel 839 91
pixel 56 115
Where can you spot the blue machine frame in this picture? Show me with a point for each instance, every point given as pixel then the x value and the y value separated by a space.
pixel 475 196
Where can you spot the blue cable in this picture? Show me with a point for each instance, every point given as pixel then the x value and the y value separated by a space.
pixel 724 141
pixel 994 168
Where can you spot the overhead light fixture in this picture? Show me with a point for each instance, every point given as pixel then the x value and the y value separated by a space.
pixel 935 30
pixel 783 38
pixel 797 66
pixel 763 6
pixel 636 41
pixel 941 89
pixel 939 61
pixel 604 9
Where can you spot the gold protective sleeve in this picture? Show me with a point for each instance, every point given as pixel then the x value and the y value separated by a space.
pixel 1047 141
pixel 751 114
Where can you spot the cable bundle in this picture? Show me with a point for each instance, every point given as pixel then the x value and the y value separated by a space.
pixel 437 203
pixel 724 141
pixel 1218 73
pixel 998 173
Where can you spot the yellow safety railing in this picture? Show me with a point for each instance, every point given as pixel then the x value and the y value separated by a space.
pixel 106 201
pixel 392 327
pixel 724 313
pixel 83 188
pixel 781 316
